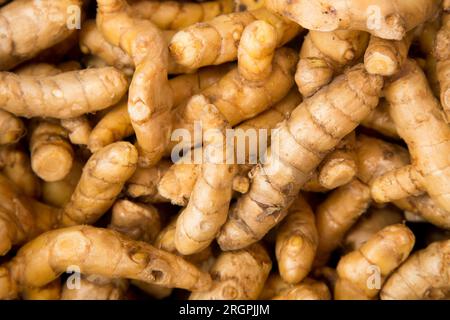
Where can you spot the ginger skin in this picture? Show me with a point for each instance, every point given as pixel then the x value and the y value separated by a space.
pixel 306 290
pixel 324 55
pixel 384 251
pixel 19 22
pixel 95 251
pixel 383 18
pixel 104 176
pixel 441 53
pixel 296 242
pixel 55 96
pixel 424 275
pixel 50 145
pixel 276 183
pixel 216 41
pixel 12 128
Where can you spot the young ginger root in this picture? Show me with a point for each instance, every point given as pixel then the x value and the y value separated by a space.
pixel 238 275
pixel 30 26
pixel 314 128
pixel 362 272
pixel 49 145
pixel 424 275
pixel 104 176
pixel 296 242
pixel 96 251
pixel 62 96
pixel 325 54
pixel 150 96
pixel 200 221
pixel 387 19
pixel 216 41
pixel 420 123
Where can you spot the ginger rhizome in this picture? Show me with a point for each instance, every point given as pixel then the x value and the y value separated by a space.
pixel 296 242
pixel 104 176
pixel 419 121
pixel 324 55
pixel 361 273
pixel 12 129
pixel 95 251
pixel 314 128
pixel 62 96
pixel 383 18
pixel 424 275
pixel 216 41
pixel 28 27
pixel 51 152
pixel 441 53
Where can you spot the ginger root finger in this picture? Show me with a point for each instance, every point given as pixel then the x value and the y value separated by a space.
pixel 28 27
pixel 380 120
pixel 95 251
pixel 216 41
pixel 383 18
pixel 332 113
pixel 238 275
pixel 378 257
pixel 296 242
pixel 150 96
pixel 79 129
pixel 12 128
pixel 104 176
pixel 52 154
pixel 306 290
pixel 62 96
pixel 325 54
pixel 441 53
pixel 424 275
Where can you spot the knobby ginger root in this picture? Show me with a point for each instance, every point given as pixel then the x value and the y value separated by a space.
pixel 150 96
pixel 325 54
pixel 237 275
pixel 138 221
pixel 382 18
pixel 420 123
pixel 176 15
pixel 62 96
pixel 12 128
pixel 104 176
pixel 51 152
pixel 216 41
pixel 256 50
pixel 306 290
pixel 200 221
pixel 361 273
pixel 424 275
pixel 369 224
pixel 177 183
pixel 29 26
pixel 386 57
pixel 15 164
pixel 79 129
pixel 296 242
pixel 96 251
pixel 314 128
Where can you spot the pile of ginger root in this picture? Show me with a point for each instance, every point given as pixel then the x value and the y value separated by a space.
pixel 347 99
